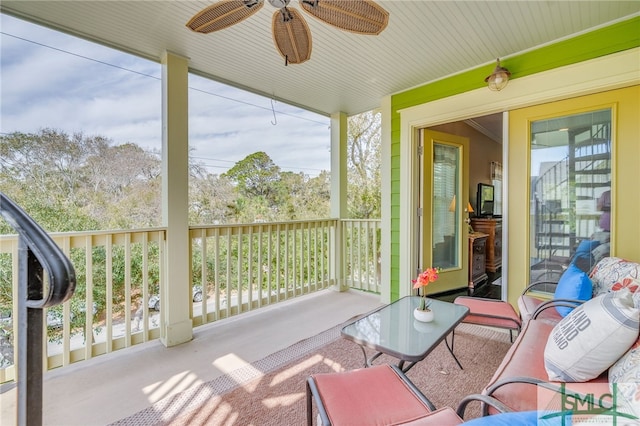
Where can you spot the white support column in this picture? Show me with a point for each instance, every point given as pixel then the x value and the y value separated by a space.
pixel 385 223
pixel 338 192
pixel 176 326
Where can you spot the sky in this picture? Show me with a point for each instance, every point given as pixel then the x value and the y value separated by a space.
pixel 53 80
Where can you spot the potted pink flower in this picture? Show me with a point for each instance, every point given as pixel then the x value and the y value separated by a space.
pixel 426 277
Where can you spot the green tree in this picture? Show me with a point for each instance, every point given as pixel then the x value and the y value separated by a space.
pixel 256 179
pixel 44 173
pixel 211 198
pixel 255 175
pixel 304 197
pixel 266 193
pixel 363 165
pixel 125 185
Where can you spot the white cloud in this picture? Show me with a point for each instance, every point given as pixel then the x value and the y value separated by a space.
pixel 53 80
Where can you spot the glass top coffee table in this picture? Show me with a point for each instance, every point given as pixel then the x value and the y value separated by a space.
pixel 392 330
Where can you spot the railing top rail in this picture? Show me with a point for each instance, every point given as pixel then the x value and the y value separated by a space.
pixel 163 229
pixel 92 233
pixel 255 224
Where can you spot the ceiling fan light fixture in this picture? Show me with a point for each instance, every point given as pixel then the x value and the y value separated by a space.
pixel 499 78
pixel 279 4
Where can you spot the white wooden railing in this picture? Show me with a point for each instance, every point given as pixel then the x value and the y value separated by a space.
pixel 234 269
pixel 361 254
pixel 115 271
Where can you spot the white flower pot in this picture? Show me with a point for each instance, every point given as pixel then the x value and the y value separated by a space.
pixel 424 316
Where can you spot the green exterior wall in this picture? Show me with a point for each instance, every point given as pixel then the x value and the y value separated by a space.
pixel 615 38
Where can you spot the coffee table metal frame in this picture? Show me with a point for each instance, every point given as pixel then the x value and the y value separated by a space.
pixel 392 330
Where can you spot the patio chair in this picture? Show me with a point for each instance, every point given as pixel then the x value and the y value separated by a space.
pixel 379 395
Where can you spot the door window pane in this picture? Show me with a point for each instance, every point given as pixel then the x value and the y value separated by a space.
pixel 570 179
pixel 446 206
pixel 496 181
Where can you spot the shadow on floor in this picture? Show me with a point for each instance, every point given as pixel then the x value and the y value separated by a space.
pixel 486 290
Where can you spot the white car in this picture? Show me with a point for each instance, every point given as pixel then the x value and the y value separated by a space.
pixel 154 301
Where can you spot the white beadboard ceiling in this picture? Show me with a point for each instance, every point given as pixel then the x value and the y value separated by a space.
pixel 425 41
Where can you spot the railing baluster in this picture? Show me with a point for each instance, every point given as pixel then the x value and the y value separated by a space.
pixel 88 266
pixel 204 282
pixel 287 277
pixel 250 268
pixel 239 277
pixel 127 288
pixel 270 272
pixel 216 275
pixel 142 313
pixel 376 256
pixel 278 260
pixel 109 292
pixel 314 256
pixel 228 272
pixel 311 284
pixel 259 265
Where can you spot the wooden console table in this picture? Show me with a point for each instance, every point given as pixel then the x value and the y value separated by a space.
pixel 477 259
pixel 492 227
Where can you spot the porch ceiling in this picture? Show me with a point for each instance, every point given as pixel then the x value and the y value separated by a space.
pixel 425 41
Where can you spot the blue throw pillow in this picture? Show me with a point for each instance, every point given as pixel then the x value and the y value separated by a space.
pixel 584 261
pixel 574 284
pixel 522 418
pixel 583 256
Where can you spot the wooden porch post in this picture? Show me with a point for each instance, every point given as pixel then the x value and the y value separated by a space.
pixel 175 322
pixel 338 194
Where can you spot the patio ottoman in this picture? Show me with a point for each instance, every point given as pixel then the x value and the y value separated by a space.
pixel 379 395
pixel 491 313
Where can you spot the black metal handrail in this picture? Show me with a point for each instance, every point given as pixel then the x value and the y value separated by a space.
pixel 37 253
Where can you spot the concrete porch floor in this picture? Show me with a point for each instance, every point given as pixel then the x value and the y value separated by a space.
pixel 113 386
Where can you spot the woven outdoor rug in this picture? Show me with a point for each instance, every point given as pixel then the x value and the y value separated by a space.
pixel 272 390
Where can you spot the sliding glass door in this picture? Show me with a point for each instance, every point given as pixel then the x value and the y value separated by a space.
pixel 570 190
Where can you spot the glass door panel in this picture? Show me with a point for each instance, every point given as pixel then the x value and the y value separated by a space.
pixel 446 193
pixel 444 205
pixel 570 191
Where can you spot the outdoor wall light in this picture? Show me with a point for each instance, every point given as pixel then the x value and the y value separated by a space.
pixel 499 78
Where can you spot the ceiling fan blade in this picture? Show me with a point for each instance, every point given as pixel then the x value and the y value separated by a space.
pixel 291 35
pixel 357 16
pixel 223 14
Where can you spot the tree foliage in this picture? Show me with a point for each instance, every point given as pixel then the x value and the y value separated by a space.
pixel 76 182
pixel 363 165
pixel 211 198
pixel 265 193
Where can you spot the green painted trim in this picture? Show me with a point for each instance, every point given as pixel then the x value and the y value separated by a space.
pixel 615 38
pixel 601 42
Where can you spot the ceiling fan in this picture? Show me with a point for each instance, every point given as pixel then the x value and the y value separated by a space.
pixel 291 33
